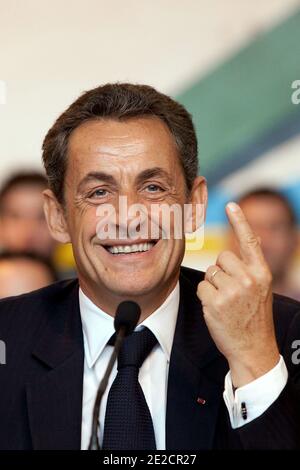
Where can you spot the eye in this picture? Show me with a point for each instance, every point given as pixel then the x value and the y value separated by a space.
pixel 153 188
pixel 98 193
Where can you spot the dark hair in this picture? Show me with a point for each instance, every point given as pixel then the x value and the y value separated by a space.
pixel 265 192
pixel 119 101
pixel 33 257
pixel 29 178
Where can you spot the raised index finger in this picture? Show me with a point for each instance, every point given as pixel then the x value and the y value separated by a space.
pixel 248 242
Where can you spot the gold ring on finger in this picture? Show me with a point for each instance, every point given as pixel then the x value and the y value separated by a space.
pixel 213 274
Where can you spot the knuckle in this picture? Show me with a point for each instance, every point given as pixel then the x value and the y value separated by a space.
pixel 223 257
pixel 264 276
pixel 219 303
pixel 209 272
pixel 269 277
pixel 232 294
pixel 247 281
pixel 211 268
pixel 252 240
pixel 201 288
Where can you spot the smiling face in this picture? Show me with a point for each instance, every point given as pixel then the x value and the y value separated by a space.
pixel 107 159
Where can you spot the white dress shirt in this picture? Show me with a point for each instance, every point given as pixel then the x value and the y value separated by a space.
pixel 98 327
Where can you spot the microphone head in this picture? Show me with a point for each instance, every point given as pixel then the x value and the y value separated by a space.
pixel 127 316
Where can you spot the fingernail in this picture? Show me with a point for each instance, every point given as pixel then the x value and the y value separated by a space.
pixel 233 207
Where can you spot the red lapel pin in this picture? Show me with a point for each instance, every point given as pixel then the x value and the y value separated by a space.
pixel 201 401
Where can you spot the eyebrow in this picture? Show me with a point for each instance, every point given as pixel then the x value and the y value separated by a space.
pixel 109 179
pixel 99 176
pixel 150 173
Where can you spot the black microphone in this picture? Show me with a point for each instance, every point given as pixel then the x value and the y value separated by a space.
pixel 126 319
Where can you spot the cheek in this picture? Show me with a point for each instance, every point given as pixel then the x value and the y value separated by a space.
pixel 43 227
pixel 13 230
pixel 174 251
pixel 279 243
pixel 286 247
pixel 82 225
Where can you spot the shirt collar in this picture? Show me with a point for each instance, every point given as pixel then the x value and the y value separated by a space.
pixel 98 326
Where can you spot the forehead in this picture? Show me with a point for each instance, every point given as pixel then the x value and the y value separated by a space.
pixel 23 195
pixel 265 208
pixel 145 137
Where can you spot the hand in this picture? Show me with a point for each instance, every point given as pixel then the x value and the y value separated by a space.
pixel 237 304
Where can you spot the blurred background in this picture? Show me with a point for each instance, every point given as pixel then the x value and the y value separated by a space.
pixel 232 63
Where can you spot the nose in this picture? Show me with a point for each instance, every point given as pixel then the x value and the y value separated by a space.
pixel 131 216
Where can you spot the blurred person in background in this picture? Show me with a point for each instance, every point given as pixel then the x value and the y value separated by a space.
pixel 272 218
pixel 23 226
pixel 24 272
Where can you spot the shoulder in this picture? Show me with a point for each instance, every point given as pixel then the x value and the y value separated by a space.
pixel 285 305
pixel 26 310
pixel 286 313
pixel 48 293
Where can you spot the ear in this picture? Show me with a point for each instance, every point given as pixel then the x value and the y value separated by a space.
pixel 55 216
pixel 196 214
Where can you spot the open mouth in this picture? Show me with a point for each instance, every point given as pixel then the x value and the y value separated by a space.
pixel 129 249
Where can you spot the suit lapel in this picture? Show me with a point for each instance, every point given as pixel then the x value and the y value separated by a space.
pixel 54 396
pixel 196 377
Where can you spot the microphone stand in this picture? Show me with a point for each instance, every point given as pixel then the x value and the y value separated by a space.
pixel 94 442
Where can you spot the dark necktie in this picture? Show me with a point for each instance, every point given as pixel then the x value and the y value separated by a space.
pixel 128 423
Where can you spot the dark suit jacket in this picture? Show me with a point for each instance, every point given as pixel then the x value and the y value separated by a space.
pixel 42 381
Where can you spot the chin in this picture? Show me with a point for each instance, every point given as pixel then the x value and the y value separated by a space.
pixel 133 287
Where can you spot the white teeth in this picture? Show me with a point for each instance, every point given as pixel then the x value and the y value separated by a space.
pixel 130 248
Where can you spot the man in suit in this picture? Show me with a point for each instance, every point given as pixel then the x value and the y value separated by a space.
pixel 220 369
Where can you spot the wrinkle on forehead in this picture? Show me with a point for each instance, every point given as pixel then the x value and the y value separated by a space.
pixel 120 138
pixel 114 147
